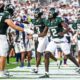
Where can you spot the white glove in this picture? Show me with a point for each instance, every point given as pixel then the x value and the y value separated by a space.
pixel 29 31
pixel 35 35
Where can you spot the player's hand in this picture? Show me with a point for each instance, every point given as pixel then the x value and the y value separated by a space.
pixel 35 35
pixel 29 31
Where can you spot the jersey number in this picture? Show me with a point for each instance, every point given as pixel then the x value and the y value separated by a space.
pixel 53 31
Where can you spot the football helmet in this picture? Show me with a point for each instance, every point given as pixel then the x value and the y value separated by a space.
pixel 38 12
pixel 10 8
pixel 53 13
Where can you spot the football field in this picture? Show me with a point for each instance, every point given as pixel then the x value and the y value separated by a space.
pixel 64 73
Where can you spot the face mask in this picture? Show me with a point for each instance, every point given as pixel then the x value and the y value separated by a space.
pixel 50 15
pixel 35 15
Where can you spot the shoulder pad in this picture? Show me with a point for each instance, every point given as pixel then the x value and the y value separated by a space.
pixel 6 12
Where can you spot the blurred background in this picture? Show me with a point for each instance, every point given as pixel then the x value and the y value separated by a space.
pixel 43 2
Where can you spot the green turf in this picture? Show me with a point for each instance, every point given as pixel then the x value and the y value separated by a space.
pixel 12 63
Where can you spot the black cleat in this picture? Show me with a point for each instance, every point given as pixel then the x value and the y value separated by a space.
pixel 59 64
pixel 78 70
pixel 44 76
pixel 5 76
pixel 34 71
pixel 7 73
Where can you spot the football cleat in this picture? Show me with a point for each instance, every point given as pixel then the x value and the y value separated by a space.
pixel 4 76
pixel 34 71
pixel 44 76
pixel 78 70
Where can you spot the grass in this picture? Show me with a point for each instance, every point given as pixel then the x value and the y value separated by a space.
pixel 13 63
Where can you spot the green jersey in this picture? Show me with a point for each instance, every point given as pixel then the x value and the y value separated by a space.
pixel 78 28
pixel 74 26
pixel 3 26
pixel 39 25
pixel 55 27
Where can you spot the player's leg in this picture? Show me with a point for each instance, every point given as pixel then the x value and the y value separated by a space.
pixel 79 57
pixel 66 49
pixel 29 52
pixel 17 52
pixel 78 43
pixel 65 60
pixel 22 51
pixel 42 43
pixel 3 55
pixel 48 52
pixel 29 56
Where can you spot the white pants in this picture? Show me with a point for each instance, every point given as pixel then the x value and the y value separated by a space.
pixel 62 43
pixel 19 47
pixel 3 45
pixel 42 44
pixel 28 45
pixel 78 43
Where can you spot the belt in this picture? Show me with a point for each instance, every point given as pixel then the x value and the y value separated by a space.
pixel 59 42
pixel 18 41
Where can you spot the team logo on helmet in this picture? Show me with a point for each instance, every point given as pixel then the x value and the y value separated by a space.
pixel 38 12
pixel 53 12
pixel 10 8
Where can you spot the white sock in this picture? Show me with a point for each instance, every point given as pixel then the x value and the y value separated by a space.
pixel 46 73
pixel 58 61
pixel 36 68
pixel 1 72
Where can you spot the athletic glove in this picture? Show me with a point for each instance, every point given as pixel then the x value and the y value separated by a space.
pixel 35 35
pixel 29 31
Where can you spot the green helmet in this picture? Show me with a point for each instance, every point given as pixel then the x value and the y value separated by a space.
pixel 10 8
pixel 53 13
pixel 38 12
